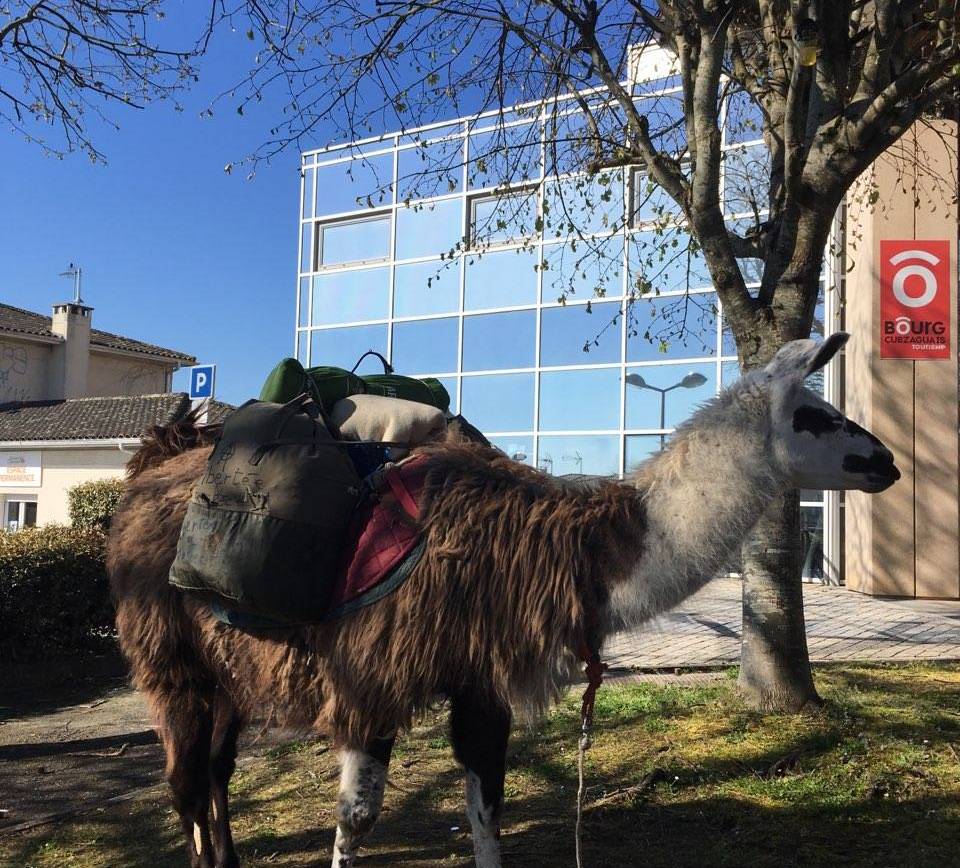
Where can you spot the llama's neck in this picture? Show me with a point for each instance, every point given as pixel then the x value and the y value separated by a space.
pixel 703 495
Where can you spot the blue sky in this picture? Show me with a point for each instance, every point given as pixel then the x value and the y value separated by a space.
pixel 173 250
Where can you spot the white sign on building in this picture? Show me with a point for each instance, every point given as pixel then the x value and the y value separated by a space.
pixel 20 470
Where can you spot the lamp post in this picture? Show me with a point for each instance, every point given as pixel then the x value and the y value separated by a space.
pixel 690 381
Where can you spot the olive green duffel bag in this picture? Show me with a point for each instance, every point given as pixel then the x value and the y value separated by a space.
pixel 328 384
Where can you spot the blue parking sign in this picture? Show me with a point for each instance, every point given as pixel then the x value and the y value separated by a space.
pixel 201 381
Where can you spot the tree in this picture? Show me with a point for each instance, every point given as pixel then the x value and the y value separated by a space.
pixel 62 60
pixel 832 85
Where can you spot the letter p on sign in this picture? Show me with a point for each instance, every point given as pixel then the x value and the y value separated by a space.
pixel 201 381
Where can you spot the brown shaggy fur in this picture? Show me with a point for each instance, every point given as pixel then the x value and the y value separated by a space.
pixel 502 594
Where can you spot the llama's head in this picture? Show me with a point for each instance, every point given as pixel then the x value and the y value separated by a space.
pixel 813 443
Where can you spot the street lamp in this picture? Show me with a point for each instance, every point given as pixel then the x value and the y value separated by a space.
pixel 690 381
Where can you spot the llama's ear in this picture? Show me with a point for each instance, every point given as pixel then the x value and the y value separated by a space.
pixel 802 358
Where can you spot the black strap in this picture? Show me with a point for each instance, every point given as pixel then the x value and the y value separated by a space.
pixel 387 367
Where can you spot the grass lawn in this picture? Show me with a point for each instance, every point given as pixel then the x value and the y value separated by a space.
pixel 678 776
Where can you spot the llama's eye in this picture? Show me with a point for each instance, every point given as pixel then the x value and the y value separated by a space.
pixel 816 420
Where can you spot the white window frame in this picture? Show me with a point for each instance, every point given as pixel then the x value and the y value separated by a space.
pixel 23 500
pixel 527 190
pixel 321 225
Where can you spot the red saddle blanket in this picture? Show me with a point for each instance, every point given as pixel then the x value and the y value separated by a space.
pixel 382 534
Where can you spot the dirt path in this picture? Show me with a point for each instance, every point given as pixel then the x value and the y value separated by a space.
pixel 75 737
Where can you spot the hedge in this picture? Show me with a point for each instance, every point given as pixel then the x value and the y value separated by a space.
pixel 54 595
pixel 92 504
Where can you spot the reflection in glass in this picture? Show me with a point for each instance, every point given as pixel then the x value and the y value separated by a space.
pixel 498 402
pixel 730 373
pixel 591 454
pixel 303 302
pixel 504 156
pixel 672 327
pixel 670 393
pixel 306 211
pixel 592 270
pixel 566 331
pixel 746 175
pixel 354 240
pixel 583 204
pixel 580 400
pixel 518 447
pixel 451 384
pixel 666 262
pixel 425 347
pixel 427 230
pixel 502 218
pixel 306 246
pixel 351 296
pixel 432 169
pixel 358 184
pixel 650 202
pixel 499 340
pixel 426 287
pixel 811 532
pixel 344 346
pixel 500 278
pixel 638 448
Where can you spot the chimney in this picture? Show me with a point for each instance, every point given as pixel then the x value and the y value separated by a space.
pixel 71 359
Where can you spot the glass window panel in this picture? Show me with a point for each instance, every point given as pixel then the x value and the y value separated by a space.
pixel 498 402
pixel 650 201
pixel 519 448
pixel 500 278
pixel 422 288
pixel 591 270
pixel 499 340
pixel 430 169
pixel 354 241
pixel 672 327
pixel 573 336
pixel 502 219
pixel 504 156
pixel 342 347
pixel 351 296
pixel 666 261
pixel 580 400
pixel 730 373
pixel 644 403
pixel 592 454
pixel 429 229
pixel 451 384
pixel 306 246
pixel 425 347
pixel 303 317
pixel 30 514
pixel 583 204
pixel 569 136
pixel 728 346
pixel 307 209
pixel 752 268
pixel 303 344
pixel 746 179
pixel 665 113
pixel 639 447
pixel 744 118
pixel 811 531
pixel 361 183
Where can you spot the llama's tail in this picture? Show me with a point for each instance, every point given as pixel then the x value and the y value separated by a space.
pixel 164 441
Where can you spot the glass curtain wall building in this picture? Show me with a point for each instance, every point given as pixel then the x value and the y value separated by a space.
pixel 465 285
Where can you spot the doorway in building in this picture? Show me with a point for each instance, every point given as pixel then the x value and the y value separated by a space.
pixel 20 513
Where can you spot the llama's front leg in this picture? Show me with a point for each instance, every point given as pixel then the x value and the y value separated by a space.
pixel 480 732
pixel 363 777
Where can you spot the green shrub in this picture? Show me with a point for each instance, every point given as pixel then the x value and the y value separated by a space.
pixel 92 504
pixel 54 595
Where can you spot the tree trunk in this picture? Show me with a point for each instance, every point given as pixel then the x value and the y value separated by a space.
pixel 774 666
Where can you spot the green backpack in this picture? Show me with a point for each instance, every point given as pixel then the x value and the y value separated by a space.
pixel 328 384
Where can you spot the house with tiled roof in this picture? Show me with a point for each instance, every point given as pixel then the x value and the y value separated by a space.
pixel 74 403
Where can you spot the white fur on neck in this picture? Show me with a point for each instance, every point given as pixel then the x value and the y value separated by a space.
pixel 702 495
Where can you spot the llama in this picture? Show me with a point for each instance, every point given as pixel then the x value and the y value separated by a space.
pixel 519 569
